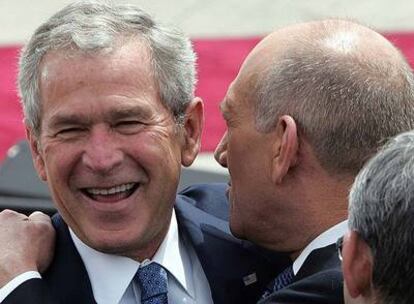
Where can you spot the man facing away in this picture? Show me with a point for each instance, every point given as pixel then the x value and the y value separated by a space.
pixel 310 104
pixel 110 114
pixel 378 249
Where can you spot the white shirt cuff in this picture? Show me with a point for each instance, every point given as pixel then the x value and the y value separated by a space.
pixel 16 282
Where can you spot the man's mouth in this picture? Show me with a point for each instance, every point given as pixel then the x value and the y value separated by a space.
pixel 111 194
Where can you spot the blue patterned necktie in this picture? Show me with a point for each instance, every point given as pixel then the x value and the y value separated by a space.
pixel 153 281
pixel 282 280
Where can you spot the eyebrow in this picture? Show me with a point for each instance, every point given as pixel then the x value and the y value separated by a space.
pixel 222 106
pixel 60 120
pixel 129 112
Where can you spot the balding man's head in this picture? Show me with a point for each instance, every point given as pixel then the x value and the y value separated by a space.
pixel 345 85
pixel 311 103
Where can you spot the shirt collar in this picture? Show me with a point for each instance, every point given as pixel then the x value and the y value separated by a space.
pixel 326 238
pixel 110 275
pixel 174 257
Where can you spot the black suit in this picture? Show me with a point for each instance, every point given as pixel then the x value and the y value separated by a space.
pixel 319 281
pixel 202 214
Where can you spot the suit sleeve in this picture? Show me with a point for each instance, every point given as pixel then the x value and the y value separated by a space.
pixel 33 291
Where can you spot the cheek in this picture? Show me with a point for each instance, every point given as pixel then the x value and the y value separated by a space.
pixel 161 150
pixel 60 161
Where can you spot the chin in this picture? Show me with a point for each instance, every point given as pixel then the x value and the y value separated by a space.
pixel 114 242
pixel 111 248
pixel 109 245
pixel 236 228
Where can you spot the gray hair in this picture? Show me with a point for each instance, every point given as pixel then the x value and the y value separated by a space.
pixel 345 104
pixel 93 26
pixel 381 210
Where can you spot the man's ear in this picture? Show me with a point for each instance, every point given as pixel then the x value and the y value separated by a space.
pixel 285 148
pixel 37 157
pixel 193 127
pixel 357 265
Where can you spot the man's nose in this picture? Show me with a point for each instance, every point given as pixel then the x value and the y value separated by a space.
pixel 102 152
pixel 220 154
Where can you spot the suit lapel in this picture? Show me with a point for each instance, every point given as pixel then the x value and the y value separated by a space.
pixel 319 260
pixel 67 278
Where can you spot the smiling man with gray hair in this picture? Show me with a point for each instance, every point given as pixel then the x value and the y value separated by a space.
pixel 378 250
pixel 111 116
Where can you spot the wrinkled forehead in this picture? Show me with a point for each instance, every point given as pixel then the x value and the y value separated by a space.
pixel 124 48
pixel 131 58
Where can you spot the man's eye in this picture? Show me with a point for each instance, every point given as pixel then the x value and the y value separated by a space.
pixel 128 123
pixel 226 117
pixel 227 120
pixel 69 132
pixel 129 126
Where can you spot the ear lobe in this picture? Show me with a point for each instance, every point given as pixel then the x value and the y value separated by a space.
pixel 193 127
pixel 286 148
pixel 357 265
pixel 37 157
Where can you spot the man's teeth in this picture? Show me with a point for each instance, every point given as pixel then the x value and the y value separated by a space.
pixel 109 191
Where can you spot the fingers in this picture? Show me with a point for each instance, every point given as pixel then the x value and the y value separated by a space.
pixel 10 214
pixel 27 243
pixel 38 216
pixel 42 222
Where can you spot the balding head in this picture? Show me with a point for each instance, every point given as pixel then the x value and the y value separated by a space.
pixel 345 85
pixel 311 103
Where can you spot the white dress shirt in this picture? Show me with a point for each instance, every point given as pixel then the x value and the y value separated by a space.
pixel 326 238
pixel 111 275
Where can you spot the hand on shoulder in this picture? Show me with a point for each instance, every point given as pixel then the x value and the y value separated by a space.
pixel 27 243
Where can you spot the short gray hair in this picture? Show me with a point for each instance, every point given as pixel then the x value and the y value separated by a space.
pixel 345 105
pixel 381 210
pixel 93 26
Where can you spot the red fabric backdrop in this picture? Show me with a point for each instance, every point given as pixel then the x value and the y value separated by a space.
pixel 219 61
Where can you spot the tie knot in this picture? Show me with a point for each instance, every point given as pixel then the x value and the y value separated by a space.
pixel 153 282
pixel 282 280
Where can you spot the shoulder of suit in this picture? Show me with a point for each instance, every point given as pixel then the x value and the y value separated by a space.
pixel 210 198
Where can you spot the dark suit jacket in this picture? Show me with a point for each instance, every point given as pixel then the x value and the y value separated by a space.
pixel 319 281
pixel 202 214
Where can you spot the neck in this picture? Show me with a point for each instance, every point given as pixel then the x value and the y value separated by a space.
pixel 323 240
